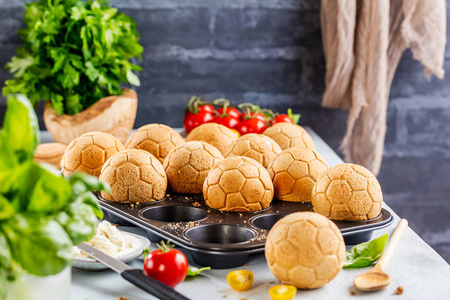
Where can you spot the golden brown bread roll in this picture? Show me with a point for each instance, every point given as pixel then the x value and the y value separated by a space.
pixel 305 249
pixel 347 192
pixel 238 183
pixel 187 165
pixel 289 135
pixel 214 134
pixel 157 139
pixel 89 152
pixel 50 153
pixel 261 148
pixel 134 176
pixel 294 172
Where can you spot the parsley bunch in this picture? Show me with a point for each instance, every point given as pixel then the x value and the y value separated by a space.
pixel 75 53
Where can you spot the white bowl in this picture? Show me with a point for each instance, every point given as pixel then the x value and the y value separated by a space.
pixel 87 263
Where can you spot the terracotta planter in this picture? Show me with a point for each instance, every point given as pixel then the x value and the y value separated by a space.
pixel 113 114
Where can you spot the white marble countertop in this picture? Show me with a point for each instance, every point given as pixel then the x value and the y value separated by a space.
pixel 415 266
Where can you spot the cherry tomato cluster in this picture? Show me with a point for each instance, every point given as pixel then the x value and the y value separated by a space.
pixel 245 117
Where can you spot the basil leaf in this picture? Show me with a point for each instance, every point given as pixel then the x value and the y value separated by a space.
pixel 5 254
pixel 21 127
pixel 18 186
pixel 3 285
pixel 78 221
pixel 364 254
pixel 50 192
pixel 40 246
pixel 193 271
pixel 6 211
pixel 82 182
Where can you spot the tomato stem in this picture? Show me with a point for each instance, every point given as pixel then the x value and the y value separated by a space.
pixel 165 247
pixel 224 103
pixel 194 103
pixel 248 109
pixel 270 115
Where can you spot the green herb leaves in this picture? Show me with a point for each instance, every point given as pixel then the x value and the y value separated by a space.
pixel 364 254
pixel 42 214
pixel 294 117
pixel 21 128
pixel 193 271
pixel 50 245
pixel 74 53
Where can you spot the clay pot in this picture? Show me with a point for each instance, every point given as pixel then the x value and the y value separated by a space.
pixel 113 114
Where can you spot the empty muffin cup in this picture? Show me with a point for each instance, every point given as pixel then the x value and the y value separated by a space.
pixel 267 221
pixel 174 213
pixel 224 260
pixel 221 234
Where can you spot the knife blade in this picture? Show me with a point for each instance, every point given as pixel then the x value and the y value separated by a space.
pixel 109 261
pixel 135 276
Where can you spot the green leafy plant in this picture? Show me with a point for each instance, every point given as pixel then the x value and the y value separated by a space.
pixel 364 254
pixel 42 214
pixel 74 53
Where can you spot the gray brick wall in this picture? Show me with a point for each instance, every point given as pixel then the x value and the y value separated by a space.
pixel 269 52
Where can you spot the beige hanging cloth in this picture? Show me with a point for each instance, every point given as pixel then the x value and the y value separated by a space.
pixel 363 41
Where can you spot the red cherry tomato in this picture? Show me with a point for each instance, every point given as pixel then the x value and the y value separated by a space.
pixel 283 118
pixel 230 111
pixel 207 107
pixel 229 119
pixel 251 126
pixel 166 265
pixel 252 115
pixel 204 115
pixel 226 121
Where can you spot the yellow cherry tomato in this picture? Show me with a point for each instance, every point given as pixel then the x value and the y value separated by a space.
pixel 240 280
pixel 236 132
pixel 282 292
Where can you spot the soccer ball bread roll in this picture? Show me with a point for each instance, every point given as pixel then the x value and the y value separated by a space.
pixel 289 135
pixel 294 172
pixel 238 183
pixel 134 176
pixel 157 139
pixel 214 134
pixel 305 249
pixel 347 192
pixel 257 146
pixel 89 152
pixel 188 165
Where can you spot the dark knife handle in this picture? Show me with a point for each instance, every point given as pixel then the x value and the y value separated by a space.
pixel 152 286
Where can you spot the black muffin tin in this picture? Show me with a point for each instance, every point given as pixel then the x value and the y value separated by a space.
pixel 221 239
